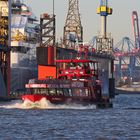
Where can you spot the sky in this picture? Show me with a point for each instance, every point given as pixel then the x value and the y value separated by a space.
pixel 119 24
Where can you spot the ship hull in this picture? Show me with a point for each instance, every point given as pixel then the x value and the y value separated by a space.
pixel 65 100
pixel 133 88
pixel 127 90
pixel 38 97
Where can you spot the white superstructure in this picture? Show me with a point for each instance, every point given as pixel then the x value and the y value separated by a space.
pixel 24 40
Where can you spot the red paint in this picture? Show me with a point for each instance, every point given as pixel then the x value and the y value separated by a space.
pixel 38 97
pixel 46 72
pixel 51 55
pixel 33 98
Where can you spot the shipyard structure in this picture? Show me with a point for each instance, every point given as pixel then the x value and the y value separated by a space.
pixel 70 71
pixel 19 37
pixel 54 77
pixel 24 40
pixel 4 50
pixel 127 61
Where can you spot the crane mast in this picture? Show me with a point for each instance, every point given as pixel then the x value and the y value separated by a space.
pixel 104 42
pixel 135 23
pixel 73 30
pixel 104 11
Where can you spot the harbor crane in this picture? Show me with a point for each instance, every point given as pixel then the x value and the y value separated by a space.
pixel 136 31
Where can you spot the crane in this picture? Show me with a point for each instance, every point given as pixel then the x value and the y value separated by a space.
pixel 104 11
pixel 135 23
pixel 73 29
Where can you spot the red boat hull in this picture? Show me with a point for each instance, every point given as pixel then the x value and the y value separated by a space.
pixel 32 98
pixel 37 97
pixel 60 100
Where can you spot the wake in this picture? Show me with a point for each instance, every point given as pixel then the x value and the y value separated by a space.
pixel 43 104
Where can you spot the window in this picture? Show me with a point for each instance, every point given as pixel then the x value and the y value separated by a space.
pixel 91 65
pixel 59 92
pixel 52 92
pixel 37 91
pixel 66 92
pixel 44 91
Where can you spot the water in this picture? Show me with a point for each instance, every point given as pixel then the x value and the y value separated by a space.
pixel 72 122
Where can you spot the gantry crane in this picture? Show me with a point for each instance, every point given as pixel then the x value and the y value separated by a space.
pixel 127 53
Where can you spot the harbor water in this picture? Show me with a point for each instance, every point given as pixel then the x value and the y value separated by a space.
pixel 122 122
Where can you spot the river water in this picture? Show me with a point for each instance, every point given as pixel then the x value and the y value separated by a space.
pixel 122 122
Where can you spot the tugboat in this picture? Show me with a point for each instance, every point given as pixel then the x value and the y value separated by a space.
pixel 77 82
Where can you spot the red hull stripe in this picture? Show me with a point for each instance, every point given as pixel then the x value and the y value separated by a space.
pixel 36 86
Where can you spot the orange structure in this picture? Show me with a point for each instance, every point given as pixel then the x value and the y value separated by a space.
pixel 46 72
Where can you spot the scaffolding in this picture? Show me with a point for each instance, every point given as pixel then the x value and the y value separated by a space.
pixel 4 49
pixel 73 30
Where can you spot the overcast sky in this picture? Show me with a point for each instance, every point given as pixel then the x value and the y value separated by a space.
pixel 119 24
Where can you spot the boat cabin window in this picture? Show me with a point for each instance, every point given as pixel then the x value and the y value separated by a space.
pixel 80 65
pixel 86 92
pixel 44 91
pixel 91 65
pixel 80 92
pixel 39 91
pixel 66 92
pixel 94 68
pixel 59 91
pixel 86 67
pixel 52 91
pixel 71 65
pixel 29 90
pixel 70 92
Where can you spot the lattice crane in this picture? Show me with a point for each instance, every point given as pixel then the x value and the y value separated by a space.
pixel 73 30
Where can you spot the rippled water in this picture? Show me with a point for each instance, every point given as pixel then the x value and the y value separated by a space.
pixel 71 122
